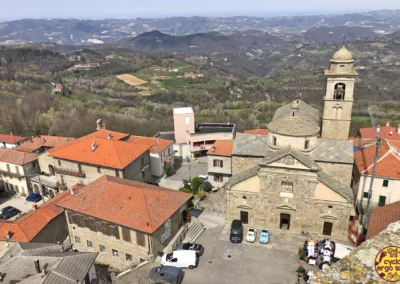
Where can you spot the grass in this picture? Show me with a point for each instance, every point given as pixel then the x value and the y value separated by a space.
pixel 81 97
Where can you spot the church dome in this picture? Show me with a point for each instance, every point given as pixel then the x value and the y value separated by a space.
pixel 342 54
pixel 294 126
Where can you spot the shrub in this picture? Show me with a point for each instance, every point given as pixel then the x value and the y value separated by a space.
pixel 206 186
pixel 301 254
pixel 201 194
pixel 196 182
pixel 301 269
pixel 187 190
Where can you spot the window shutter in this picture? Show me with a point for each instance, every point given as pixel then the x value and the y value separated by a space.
pixel 80 221
pixel 214 163
pixel 126 235
pixel 140 239
pixel 105 229
pixel 92 225
pixel 117 232
pixel 221 163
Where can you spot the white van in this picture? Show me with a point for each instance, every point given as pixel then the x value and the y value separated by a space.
pixel 180 258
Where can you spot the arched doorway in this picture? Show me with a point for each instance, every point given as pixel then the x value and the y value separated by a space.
pixel 186 216
pixel 51 193
pixel 36 188
pixel 51 170
pixel 30 190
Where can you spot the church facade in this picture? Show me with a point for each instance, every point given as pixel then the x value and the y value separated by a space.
pixel 296 180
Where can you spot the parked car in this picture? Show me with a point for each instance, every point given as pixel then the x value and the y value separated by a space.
pixel 180 258
pixel 9 213
pixel 166 274
pixel 198 248
pixel 204 177
pixel 251 235
pixel 34 197
pixel 236 235
pixel 5 209
pixel 264 236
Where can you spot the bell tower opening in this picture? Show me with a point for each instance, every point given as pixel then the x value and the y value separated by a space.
pixel 340 91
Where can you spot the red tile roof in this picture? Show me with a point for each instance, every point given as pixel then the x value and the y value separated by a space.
pixel 157 145
pixel 257 131
pixel 110 153
pixel 381 217
pixel 103 133
pixel 384 133
pixel 26 228
pixel 15 157
pixel 4 138
pixel 43 141
pixel 128 203
pixel 221 148
pixel 388 162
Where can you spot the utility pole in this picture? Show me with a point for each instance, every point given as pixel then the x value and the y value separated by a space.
pixel 371 184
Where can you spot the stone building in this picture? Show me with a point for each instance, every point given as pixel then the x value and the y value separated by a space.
pixel 219 159
pixel 126 221
pixel 290 180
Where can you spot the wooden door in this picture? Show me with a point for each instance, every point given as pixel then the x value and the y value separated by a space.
pixel 244 217
pixel 186 216
pixel 327 230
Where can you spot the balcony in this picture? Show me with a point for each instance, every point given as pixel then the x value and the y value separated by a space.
pixel 11 174
pixel 70 172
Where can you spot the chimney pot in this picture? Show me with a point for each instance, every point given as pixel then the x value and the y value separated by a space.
pixel 72 191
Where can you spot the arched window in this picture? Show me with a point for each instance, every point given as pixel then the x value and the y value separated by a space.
pixel 51 170
pixel 36 188
pixel 340 90
pixel 339 113
pixel 274 140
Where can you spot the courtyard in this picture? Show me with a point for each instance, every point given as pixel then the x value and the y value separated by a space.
pixel 184 171
pixel 9 199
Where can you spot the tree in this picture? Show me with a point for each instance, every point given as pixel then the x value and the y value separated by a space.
pixel 196 182
pixel 206 186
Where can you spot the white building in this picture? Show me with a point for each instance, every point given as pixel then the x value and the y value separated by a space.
pixel 10 141
pixel 220 162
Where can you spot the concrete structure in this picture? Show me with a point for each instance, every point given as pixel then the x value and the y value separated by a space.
pixel 127 222
pixel 195 140
pixel 220 162
pixel 341 77
pixel 17 169
pixel 387 178
pixel 10 141
pixel 47 263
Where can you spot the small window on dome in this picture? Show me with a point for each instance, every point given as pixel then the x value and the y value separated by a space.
pixel 274 140
pixel 342 66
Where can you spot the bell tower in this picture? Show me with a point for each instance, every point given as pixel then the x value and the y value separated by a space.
pixel 338 100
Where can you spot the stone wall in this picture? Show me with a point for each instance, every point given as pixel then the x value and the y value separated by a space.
pixel 45 161
pixel 341 172
pixel 243 163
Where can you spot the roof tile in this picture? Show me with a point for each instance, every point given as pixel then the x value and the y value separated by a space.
pixel 4 138
pixel 16 157
pixel 381 217
pixel 221 148
pixel 43 141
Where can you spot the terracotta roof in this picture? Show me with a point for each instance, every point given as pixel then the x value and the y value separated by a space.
pixel 359 142
pixel 43 141
pixel 384 133
pixel 257 131
pixel 381 217
pixel 388 162
pixel 16 157
pixel 222 148
pixel 128 203
pixel 108 153
pixel 25 228
pixel 4 138
pixel 157 145
pixel 103 133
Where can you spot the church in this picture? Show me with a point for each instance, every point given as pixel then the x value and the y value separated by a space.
pixel 296 179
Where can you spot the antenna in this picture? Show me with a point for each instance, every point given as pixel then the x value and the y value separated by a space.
pixel 378 147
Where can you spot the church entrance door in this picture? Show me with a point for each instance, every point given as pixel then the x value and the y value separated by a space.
pixel 285 221
pixel 244 217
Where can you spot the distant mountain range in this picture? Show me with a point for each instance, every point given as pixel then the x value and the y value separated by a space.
pixel 318 28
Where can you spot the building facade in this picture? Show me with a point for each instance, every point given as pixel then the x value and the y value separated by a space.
pixel 10 141
pixel 219 159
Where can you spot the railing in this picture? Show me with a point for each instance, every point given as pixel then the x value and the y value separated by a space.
pixel 181 237
pixel 9 173
pixel 70 172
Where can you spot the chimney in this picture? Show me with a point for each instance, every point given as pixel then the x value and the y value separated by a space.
pixel 387 123
pixel 378 129
pixel 37 266
pixel 72 190
pixel 44 140
pixel 391 132
pixel 398 129
pixel 109 136
pixel 94 146
pixel 100 124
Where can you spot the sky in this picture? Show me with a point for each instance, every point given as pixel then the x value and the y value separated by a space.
pixel 100 9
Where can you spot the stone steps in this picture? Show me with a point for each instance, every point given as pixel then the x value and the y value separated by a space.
pixel 195 230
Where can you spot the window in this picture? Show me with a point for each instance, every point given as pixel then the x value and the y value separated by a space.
pixel 365 195
pixel 385 183
pixel 126 235
pixel 244 217
pixel 98 170
pixel 287 185
pixel 218 163
pixel 327 229
pixel 117 174
pixel 77 240
pixel 114 252
pixel 98 227
pixel 306 144
pixel 339 92
pixel 17 169
pixel 79 168
pixel 102 248
pixel 59 163
pixel 34 165
pixel 382 200
pixel 218 178
pixel 89 244
pixel 187 119
pixel 8 167
pixel 143 174
pixel 86 222
pixel 274 140
pixel 72 218
pixel 128 257
pixel 114 231
pixel 105 229
pixel 140 239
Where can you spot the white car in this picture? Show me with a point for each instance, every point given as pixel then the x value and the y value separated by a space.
pixel 180 258
pixel 251 235
pixel 204 177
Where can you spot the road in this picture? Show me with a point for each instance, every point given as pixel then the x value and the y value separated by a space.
pixel 186 171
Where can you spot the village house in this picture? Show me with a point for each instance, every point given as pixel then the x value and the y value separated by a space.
pixel 368 135
pixel 45 224
pixel 86 66
pixel 292 181
pixel 39 263
pixel 42 143
pixel 126 222
pixel 16 170
pixel 387 176
pixel 220 162
pixel 10 141
pixel 195 139
pixel 193 75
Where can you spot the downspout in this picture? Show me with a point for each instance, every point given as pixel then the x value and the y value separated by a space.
pixel 148 243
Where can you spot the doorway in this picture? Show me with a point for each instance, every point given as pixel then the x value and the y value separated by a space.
pixel 186 217
pixel 244 217
pixel 327 230
pixel 285 221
